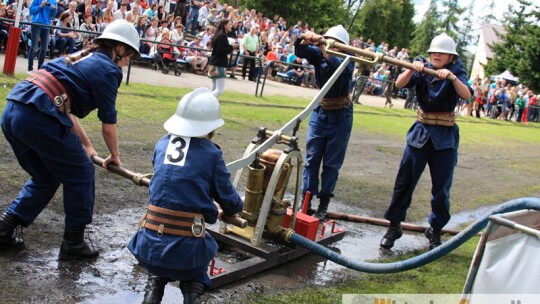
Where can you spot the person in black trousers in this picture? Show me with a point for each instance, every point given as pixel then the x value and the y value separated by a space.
pixel 250 45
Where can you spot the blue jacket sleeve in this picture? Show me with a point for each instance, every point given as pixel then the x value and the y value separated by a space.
pixel 223 191
pixel 35 7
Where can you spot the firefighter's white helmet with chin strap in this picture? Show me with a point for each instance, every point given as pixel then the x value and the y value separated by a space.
pixel 121 31
pixel 443 44
pixel 339 33
pixel 198 113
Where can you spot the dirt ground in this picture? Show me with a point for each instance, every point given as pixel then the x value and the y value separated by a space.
pixel 34 275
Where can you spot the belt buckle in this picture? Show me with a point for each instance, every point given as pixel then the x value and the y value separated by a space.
pixel 59 100
pixel 198 227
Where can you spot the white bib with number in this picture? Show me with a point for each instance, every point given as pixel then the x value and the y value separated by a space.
pixel 177 150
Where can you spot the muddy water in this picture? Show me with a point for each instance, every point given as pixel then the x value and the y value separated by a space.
pixel 116 278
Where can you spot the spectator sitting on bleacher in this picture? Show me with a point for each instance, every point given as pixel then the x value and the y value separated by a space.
pixel 283 58
pixel 121 13
pixel 309 75
pixel 296 73
pixel 374 87
pixel 196 58
pixel 152 31
pixel 177 35
pixel 213 19
pixel 291 57
pixel 206 36
pixel 90 27
pixel 151 12
pixel 5 26
pixel 108 15
pixel 65 36
pixel 272 66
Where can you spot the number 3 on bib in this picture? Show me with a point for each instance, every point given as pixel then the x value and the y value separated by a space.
pixel 177 150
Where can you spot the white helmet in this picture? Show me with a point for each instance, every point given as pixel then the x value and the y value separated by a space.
pixel 198 113
pixel 338 32
pixel 443 44
pixel 120 30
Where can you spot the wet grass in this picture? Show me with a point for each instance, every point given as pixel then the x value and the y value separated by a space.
pixel 444 276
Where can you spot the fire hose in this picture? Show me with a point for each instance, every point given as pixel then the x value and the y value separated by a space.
pixel 144 180
pixel 423 259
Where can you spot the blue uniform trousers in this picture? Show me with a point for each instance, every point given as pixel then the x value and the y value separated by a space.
pixel 326 143
pixel 441 167
pixel 52 155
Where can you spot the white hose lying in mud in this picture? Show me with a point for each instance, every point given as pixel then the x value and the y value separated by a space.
pixel 425 258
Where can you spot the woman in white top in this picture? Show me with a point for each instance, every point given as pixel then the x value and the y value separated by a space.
pixel 152 31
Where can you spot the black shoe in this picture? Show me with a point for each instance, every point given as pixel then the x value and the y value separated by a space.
pixel 75 248
pixel 311 211
pixel 192 292
pixel 232 76
pixel 10 233
pixel 392 234
pixel 322 209
pixel 154 289
pixel 434 237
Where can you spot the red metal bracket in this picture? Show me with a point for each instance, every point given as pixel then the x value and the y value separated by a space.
pixel 215 271
pixel 334 229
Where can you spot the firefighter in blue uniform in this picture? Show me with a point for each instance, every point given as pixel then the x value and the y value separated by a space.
pixel 40 121
pixel 189 176
pixel 433 139
pixel 331 122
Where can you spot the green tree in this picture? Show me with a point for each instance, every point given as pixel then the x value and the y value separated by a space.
pixel 450 17
pixel 425 31
pixel 385 20
pixel 318 13
pixel 518 49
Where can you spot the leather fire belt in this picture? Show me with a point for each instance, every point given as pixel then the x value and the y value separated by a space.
pixel 53 88
pixel 166 221
pixel 437 118
pixel 336 103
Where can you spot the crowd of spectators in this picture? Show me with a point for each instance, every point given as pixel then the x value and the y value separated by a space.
pixel 268 42
pixel 502 100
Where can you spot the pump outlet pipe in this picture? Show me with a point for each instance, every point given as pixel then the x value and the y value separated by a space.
pixel 423 259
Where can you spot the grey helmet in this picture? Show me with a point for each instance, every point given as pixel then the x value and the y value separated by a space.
pixel 121 31
pixel 443 44
pixel 198 113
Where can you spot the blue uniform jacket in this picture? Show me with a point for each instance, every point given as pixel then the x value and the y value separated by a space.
pixel 45 14
pixel 193 178
pixel 324 69
pixel 435 95
pixel 91 82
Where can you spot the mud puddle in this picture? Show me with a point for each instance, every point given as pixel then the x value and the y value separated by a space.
pixel 115 276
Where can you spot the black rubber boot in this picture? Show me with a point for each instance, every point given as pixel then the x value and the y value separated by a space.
pixel 154 290
pixel 192 292
pixel 393 233
pixel 322 209
pixel 434 237
pixel 9 237
pixel 75 248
